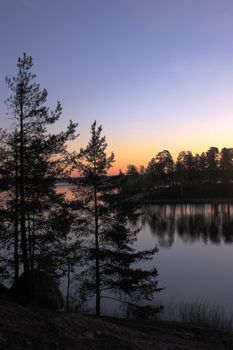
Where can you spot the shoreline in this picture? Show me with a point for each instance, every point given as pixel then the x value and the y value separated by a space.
pixel 205 200
pixel 25 328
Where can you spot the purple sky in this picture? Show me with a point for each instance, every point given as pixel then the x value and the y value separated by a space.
pixel 157 74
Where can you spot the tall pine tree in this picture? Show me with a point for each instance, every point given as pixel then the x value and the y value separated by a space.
pixel 112 266
pixel 39 159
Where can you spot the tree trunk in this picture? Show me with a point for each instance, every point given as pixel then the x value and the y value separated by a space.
pixel 33 241
pixel 30 242
pixel 68 285
pixel 97 267
pixel 16 233
pixel 22 193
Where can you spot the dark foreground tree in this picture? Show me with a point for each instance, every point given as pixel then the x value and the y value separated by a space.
pixel 66 245
pixel 35 159
pixel 112 261
pixel 9 202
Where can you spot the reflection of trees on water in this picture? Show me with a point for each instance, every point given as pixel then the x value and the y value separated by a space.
pixel 191 222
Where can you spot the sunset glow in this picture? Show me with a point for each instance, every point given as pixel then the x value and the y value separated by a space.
pixel 156 74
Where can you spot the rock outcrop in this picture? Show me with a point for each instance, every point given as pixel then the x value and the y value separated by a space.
pixel 3 290
pixel 37 288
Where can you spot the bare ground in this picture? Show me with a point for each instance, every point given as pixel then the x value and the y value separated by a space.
pixel 24 328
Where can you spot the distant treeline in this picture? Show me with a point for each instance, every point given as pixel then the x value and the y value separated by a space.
pixel 187 171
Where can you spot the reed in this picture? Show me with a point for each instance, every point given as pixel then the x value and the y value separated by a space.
pixel 198 313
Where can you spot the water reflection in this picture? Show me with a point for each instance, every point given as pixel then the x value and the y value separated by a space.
pixel 191 222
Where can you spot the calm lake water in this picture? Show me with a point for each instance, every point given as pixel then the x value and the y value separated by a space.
pixel 195 258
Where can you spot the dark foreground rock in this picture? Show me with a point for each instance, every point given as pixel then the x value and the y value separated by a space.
pixel 24 328
pixel 44 291
pixel 3 290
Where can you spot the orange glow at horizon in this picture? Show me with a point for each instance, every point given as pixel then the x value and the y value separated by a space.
pixel 138 146
pixel 138 157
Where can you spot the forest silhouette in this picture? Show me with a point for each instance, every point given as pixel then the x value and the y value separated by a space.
pixel 207 175
pixel 85 241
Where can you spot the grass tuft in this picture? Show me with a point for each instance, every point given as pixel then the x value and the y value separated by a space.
pixel 199 313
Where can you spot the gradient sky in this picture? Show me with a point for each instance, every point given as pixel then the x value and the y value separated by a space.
pixel 157 74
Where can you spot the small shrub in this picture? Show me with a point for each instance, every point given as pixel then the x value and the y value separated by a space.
pixel 143 312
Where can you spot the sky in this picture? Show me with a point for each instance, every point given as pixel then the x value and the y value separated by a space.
pixel 156 74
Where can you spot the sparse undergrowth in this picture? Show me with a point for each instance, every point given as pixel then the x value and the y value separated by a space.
pixel 198 313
